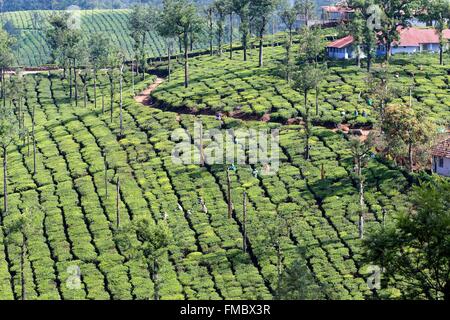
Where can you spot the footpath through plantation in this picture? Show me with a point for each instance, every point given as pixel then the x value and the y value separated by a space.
pixel 301 221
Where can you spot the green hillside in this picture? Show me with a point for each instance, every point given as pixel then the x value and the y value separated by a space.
pixel 29 29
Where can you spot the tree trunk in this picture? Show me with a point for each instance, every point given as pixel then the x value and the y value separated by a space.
pixel 85 93
pixel 22 270
pixel 410 157
pixel 5 181
pixel 230 204
pixel 106 179
pixel 34 142
pixel 317 100
pixel 244 242
pixel 169 59
pixel 231 35
pixel 76 82
pixel 369 62
pixel 261 52
pixel 306 126
pixel 95 88
pixel 220 36
pixel 118 204
pixel 121 99
pixel 186 62
pixel 70 82
pixel 244 43
pixel 211 32
pixel 361 225
pixel 111 95
pixel 358 58
pixel 441 55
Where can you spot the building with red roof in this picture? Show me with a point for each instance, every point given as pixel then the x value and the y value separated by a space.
pixel 441 158
pixel 411 40
pixel 336 13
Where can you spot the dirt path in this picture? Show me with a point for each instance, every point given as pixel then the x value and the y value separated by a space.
pixel 144 97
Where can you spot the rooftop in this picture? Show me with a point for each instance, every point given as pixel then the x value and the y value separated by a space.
pixel 442 149
pixel 409 37
pixel 341 43
pixel 339 9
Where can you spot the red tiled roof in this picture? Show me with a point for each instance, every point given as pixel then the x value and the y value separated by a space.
pixel 413 37
pixel 410 37
pixel 442 149
pixel 337 9
pixel 341 43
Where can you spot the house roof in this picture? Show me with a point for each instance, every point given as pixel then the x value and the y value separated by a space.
pixel 409 37
pixel 338 9
pixel 341 43
pixel 442 149
pixel 413 37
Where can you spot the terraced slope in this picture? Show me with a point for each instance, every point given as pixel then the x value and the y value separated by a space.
pixel 32 49
pixel 243 90
pixel 74 214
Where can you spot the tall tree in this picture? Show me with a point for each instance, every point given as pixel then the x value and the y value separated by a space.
pixel 9 129
pixel 312 45
pixel 262 11
pixel 357 26
pixel 416 248
pixel 305 80
pixel 167 29
pixel 6 60
pixel 220 8
pixel 114 62
pixel 361 152
pixel 288 14
pixel 405 129
pixel 98 56
pixel 439 11
pixel 306 8
pixel 363 27
pixel 242 9
pixel 141 21
pixel 396 15
pixel 183 16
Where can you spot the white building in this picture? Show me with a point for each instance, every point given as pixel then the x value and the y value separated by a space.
pixel 412 40
pixel 441 158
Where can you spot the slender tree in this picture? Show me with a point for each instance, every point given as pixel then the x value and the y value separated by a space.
pixel 288 14
pixel 141 21
pixel 361 152
pixel 6 60
pixel 306 9
pixel 220 8
pixel 242 9
pixel 98 56
pixel 439 11
pixel 262 11
pixel 9 129
pixel 305 80
pixel 184 18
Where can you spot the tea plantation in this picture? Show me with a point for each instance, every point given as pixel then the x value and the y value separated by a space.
pixel 243 90
pixel 28 27
pixel 72 198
